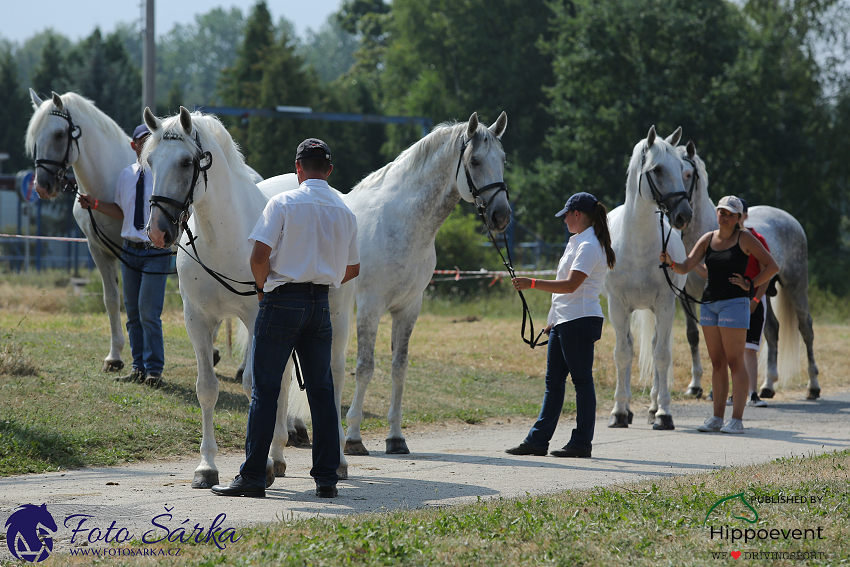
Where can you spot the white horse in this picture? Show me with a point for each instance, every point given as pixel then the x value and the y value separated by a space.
pixel 70 130
pixel 225 207
pixel 636 283
pixel 788 310
pixel 399 210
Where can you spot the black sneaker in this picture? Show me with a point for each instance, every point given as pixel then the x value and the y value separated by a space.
pixel 135 375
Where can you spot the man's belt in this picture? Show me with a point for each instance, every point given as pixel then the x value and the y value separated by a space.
pixel 300 287
pixel 136 245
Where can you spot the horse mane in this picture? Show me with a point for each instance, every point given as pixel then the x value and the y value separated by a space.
pixel 209 129
pixel 77 106
pixel 432 146
pixel 654 155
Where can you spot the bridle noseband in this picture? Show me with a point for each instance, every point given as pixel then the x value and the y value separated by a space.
pixel 61 173
pixel 201 162
pixel 661 199
pixel 476 192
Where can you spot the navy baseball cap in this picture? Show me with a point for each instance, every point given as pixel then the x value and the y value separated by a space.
pixel 311 148
pixel 584 202
pixel 744 203
pixel 141 130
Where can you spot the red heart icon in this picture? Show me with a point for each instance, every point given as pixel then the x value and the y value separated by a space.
pixel 736 554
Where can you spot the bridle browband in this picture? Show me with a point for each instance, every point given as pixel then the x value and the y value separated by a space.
pixel 61 173
pixel 201 162
pixel 475 191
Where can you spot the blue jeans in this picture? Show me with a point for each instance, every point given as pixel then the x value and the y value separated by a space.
pixel 570 352
pixel 143 298
pixel 287 321
pixel 729 313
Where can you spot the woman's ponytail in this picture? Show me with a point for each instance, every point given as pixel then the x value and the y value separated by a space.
pixel 599 221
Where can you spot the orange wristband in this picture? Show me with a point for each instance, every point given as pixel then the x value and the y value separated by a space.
pixel 533 283
pixel 95 204
pixel 672 263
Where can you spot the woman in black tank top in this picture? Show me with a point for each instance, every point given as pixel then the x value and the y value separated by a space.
pixel 725 312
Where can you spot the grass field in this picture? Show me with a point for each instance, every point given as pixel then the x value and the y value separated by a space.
pixel 468 364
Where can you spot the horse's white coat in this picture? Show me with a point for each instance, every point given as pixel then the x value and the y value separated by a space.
pixel 225 211
pixel 636 282
pixel 785 312
pixel 104 151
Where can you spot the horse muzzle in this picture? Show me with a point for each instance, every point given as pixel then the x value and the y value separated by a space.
pixel 161 232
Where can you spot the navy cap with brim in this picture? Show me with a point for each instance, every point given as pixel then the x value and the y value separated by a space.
pixel 584 202
pixel 313 148
pixel 141 130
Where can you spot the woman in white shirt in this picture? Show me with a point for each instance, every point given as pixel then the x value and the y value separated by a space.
pixel 574 325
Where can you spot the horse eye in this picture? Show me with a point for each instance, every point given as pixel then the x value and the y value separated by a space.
pixel 186 163
pixel 60 135
pixel 658 169
pixel 475 161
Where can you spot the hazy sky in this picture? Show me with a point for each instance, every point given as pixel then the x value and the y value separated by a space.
pixel 76 19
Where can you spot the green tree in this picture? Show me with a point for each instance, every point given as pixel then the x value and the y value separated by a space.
pixel 330 51
pixel 240 83
pixel 51 71
pixel 16 111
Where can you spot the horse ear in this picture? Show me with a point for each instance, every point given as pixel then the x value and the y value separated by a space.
pixel 36 102
pixel 57 102
pixel 650 137
pixel 152 121
pixel 692 149
pixel 498 127
pixel 673 139
pixel 472 126
pixel 186 120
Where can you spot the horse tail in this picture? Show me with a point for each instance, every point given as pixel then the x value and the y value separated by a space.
pixel 643 327
pixel 789 350
pixel 242 336
pixel 298 408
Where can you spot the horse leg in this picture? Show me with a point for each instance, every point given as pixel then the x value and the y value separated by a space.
pixel 367 331
pixel 341 305
pixel 281 433
pixel 771 338
pixel 663 356
pixel 107 265
pixel 695 387
pixel 200 330
pixel 621 416
pixel 804 324
pixel 653 393
pixel 403 323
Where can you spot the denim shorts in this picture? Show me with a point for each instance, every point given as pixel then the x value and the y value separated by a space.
pixel 730 313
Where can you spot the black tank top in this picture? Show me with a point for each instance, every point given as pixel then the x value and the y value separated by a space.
pixel 721 265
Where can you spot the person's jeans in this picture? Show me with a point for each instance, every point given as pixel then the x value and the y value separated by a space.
pixel 287 321
pixel 143 298
pixel 570 352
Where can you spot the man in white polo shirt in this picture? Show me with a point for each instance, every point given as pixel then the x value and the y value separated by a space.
pixel 304 242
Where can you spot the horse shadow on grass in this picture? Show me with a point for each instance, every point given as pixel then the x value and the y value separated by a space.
pixel 40 445
pixel 229 401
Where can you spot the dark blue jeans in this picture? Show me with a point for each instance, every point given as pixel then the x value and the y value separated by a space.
pixel 143 298
pixel 287 321
pixel 570 352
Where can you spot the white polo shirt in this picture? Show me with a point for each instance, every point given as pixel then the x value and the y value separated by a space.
pixel 312 234
pixel 585 254
pixel 125 197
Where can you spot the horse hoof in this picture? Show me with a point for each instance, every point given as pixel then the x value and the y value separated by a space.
pixel 216 356
pixel 302 436
pixel 397 447
pixel 206 479
pixel 767 393
pixel 292 440
pixel 664 423
pixel 112 366
pixel 650 416
pixel 620 420
pixel 813 393
pixel 694 393
pixel 342 472
pixel 238 377
pixel 631 416
pixel 355 448
pixel 279 469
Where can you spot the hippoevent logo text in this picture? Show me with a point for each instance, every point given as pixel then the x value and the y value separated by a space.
pixel 29 532
pixel 747 513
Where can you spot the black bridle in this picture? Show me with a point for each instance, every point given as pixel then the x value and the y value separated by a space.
pixel 60 174
pixel 531 341
pixel 201 162
pixel 661 199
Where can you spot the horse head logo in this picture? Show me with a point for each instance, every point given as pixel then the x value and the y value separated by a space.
pixel 740 496
pixel 28 532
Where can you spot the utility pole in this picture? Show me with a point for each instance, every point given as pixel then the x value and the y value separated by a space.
pixel 149 61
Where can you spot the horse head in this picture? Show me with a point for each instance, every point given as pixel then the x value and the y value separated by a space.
pixel 660 170
pixel 52 139
pixel 177 161
pixel 480 173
